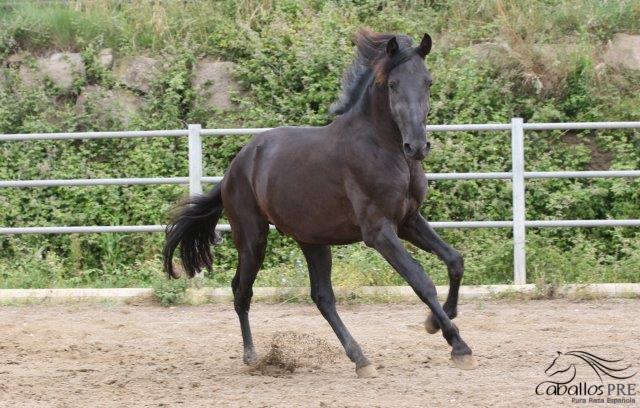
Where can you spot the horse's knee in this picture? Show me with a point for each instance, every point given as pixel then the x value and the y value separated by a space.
pixel 374 237
pixel 429 290
pixel 455 265
pixel 371 239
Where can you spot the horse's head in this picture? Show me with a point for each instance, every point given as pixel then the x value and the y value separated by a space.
pixel 389 65
pixel 561 364
pixel 408 82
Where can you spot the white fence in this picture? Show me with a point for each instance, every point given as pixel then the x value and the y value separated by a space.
pixel 517 175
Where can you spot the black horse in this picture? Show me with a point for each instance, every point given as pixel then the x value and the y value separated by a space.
pixel 357 179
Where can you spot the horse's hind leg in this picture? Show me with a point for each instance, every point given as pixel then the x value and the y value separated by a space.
pixel 250 239
pixel 319 261
pixel 418 231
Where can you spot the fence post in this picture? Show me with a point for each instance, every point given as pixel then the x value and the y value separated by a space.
pixel 195 165
pixel 517 174
pixel 195 160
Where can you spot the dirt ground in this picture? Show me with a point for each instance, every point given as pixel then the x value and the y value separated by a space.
pixel 105 355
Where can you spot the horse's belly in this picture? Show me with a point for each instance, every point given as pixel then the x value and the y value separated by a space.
pixel 315 213
pixel 329 234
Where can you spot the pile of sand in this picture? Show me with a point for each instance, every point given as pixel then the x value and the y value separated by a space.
pixel 290 350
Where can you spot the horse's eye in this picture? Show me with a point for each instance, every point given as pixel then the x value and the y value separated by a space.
pixel 393 85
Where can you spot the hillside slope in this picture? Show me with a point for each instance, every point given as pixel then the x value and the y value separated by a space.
pixel 492 60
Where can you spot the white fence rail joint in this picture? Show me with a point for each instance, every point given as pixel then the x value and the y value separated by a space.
pixel 195 179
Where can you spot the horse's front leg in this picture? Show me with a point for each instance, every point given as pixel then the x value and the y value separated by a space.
pixel 418 231
pixel 384 239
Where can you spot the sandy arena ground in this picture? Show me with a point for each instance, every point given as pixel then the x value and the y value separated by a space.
pixel 121 355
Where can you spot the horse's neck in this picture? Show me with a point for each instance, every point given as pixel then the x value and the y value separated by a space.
pixel 373 108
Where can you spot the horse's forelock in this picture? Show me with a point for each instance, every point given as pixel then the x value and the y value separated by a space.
pixel 372 50
pixel 384 66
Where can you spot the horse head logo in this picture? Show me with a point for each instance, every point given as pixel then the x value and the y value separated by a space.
pixel 567 363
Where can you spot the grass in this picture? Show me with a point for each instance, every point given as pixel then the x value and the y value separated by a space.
pixel 125 26
pixel 158 25
pixel 353 266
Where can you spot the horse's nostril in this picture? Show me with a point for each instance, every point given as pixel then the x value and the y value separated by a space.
pixel 428 146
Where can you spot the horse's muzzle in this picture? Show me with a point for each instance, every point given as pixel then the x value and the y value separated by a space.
pixel 417 150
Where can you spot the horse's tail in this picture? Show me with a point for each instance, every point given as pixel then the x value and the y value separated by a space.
pixel 193 230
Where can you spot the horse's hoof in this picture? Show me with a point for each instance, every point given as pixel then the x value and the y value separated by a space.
pixel 430 325
pixel 368 371
pixel 250 359
pixel 465 361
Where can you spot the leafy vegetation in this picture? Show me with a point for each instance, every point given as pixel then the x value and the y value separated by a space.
pixel 290 56
pixel 170 292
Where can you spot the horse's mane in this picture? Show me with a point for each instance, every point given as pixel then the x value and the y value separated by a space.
pixel 601 365
pixel 371 62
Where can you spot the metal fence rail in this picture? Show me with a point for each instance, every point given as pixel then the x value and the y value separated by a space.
pixel 194 132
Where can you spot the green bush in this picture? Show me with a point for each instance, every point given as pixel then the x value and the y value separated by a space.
pixel 290 56
pixel 170 292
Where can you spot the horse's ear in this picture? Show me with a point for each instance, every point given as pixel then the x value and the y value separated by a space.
pixel 425 46
pixel 392 46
